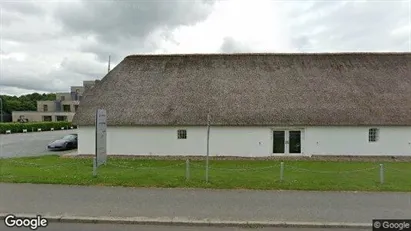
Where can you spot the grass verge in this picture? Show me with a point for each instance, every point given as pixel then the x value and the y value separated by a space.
pixel 223 174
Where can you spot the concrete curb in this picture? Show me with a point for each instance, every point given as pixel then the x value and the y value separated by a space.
pixel 182 221
pixel 69 155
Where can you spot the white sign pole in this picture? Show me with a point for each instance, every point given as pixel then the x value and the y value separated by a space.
pixel 208 145
pixel 101 139
pixel 95 145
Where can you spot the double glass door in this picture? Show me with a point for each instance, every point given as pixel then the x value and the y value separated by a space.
pixel 286 141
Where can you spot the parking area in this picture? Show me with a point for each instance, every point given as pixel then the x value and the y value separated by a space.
pixel 30 144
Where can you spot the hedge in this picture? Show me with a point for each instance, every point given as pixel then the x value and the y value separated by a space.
pixel 16 127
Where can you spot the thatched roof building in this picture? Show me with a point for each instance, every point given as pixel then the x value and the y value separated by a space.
pixel 254 89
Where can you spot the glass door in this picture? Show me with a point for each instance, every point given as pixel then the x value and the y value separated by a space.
pixel 294 141
pixel 286 141
pixel 278 141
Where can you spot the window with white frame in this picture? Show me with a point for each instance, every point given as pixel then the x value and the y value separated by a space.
pixel 181 134
pixel 373 134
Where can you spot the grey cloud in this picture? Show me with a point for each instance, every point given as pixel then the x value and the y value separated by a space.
pixel 18 27
pixel 8 18
pixel 125 47
pixel 230 45
pixel 301 42
pixel 22 7
pixel 355 26
pixel 298 9
pixel 57 84
pixel 76 66
pixel 32 86
pixel 101 28
pixel 15 11
pixel 117 51
pixel 5 90
pixel 322 5
pixel 71 72
pixel 112 20
pixel 23 35
pixel 120 28
pixel 27 80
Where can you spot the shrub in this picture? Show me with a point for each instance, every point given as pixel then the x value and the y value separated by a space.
pixel 16 127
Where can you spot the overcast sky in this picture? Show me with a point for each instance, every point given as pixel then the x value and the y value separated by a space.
pixel 47 46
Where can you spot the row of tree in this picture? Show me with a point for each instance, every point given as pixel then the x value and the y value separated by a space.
pixel 24 102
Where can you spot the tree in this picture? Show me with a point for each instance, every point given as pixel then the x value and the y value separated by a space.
pixel 25 102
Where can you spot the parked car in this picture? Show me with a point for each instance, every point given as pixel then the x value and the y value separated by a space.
pixel 65 143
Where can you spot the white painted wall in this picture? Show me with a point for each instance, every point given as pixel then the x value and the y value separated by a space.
pixel 163 141
pixel 354 141
pixel 245 141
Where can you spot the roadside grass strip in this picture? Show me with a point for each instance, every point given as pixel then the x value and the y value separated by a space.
pixel 223 174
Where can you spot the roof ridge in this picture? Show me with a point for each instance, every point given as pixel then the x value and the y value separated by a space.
pixel 269 54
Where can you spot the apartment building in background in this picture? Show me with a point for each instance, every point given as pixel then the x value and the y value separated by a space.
pixel 62 108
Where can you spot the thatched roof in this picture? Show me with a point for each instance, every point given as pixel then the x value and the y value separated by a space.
pixel 254 89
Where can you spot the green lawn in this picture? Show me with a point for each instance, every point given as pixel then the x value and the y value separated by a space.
pixel 228 174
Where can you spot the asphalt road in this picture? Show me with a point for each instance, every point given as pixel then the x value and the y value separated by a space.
pixel 29 144
pixel 116 227
pixel 199 204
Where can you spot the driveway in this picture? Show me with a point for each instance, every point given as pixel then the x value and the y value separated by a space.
pixel 29 144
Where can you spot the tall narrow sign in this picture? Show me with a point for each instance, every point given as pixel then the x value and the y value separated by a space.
pixel 101 137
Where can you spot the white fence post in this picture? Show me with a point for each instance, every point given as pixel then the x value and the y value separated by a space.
pixel 94 167
pixel 187 169
pixel 381 173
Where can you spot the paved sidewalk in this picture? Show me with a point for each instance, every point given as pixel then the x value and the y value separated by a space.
pixel 242 205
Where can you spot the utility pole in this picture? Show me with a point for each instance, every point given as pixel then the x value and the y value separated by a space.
pixel 1 109
pixel 109 57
